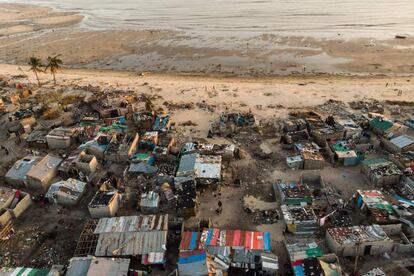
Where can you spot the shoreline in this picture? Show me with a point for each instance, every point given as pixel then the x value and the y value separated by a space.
pixel 167 51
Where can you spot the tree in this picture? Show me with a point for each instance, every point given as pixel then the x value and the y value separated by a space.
pixel 36 66
pixel 149 105
pixel 53 64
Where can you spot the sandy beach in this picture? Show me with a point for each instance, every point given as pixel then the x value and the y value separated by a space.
pixel 27 30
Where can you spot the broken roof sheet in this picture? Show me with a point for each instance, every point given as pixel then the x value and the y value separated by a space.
pixel 131 243
pixel 71 188
pixel 132 224
pixel 357 234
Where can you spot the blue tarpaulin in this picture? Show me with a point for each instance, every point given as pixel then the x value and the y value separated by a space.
pixel 192 259
pixel 267 241
pixel 193 242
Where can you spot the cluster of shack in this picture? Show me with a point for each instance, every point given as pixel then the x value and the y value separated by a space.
pixel 139 188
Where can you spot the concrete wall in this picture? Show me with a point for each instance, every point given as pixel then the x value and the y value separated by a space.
pixel 377 247
pixel 22 205
pixel 134 146
pixel 55 142
pixel 18 183
pixel 87 168
pixel 389 146
pixel 5 218
pixel 44 184
pixel 106 211
pixel 10 214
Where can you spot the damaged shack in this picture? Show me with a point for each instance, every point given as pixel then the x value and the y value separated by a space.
pixel 40 175
pixel 105 202
pixel 67 192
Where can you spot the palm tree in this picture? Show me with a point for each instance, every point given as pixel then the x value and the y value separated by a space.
pixel 53 64
pixel 36 66
pixel 149 105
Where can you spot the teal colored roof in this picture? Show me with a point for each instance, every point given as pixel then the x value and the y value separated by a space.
pixel 26 271
pixel 381 124
pixel 374 161
pixel 340 147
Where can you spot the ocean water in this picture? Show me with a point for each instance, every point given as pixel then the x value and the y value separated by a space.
pixel 324 18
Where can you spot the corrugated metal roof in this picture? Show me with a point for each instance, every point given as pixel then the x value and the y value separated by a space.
pixel 187 164
pixel 132 224
pixel 109 266
pixel 131 244
pixel 78 266
pixel 403 141
pixel 192 263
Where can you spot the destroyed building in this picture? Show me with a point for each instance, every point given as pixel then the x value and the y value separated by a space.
pixel 61 138
pixel 37 139
pixel 105 203
pixel 358 240
pixel 404 161
pixel 381 172
pixel 98 145
pixel 162 123
pixel 13 206
pixel 40 175
pixel 187 200
pixel 226 151
pixel 230 123
pixel 382 126
pixel 307 258
pixel 149 202
pixel 79 161
pixel 380 211
pixel 16 176
pixel 121 147
pixel 67 192
pixel 300 220
pixel 352 129
pixel 312 160
pixel 293 193
pixel 144 120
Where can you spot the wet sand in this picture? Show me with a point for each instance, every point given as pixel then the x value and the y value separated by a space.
pixel 178 52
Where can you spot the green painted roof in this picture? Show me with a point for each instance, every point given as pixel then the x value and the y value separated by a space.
pixel 381 124
pixel 374 161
